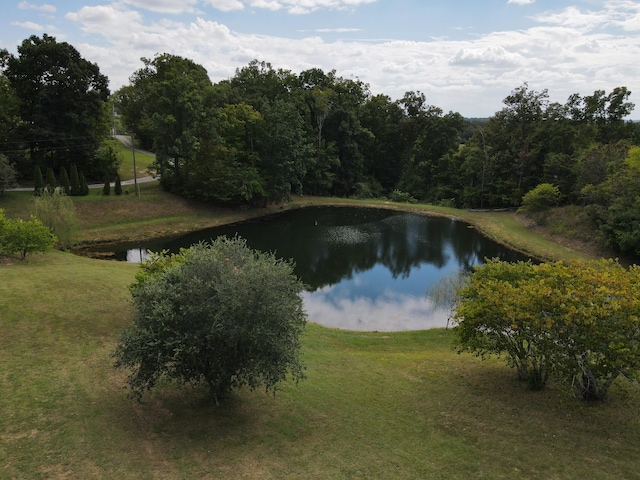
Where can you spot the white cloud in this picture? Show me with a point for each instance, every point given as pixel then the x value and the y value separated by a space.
pixel 295 7
pixel 391 312
pixel 522 2
pixel 336 30
pixel 24 5
pixel 615 13
pixel 469 76
pixel 29 25
pixel 225 5
pixel 267 4
pixel 495 55
pixel 113 21
pixel 164 6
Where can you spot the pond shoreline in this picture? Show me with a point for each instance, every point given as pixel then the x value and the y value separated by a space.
pixel 505 228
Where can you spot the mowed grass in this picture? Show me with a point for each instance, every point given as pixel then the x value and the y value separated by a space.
pixel 374 405
pixel 143 162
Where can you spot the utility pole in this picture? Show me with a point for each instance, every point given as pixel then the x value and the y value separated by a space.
pixel 135 171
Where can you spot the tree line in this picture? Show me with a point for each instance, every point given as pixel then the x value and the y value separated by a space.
pixel 268 133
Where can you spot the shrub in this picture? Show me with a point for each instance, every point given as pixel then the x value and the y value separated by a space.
pixel 25 237
pixel 578 321
pixel 537 202
pixel 217 314
pixel 57 211
pixel 65 185
pixel 402 197
pixel 118 186
pixel 38 181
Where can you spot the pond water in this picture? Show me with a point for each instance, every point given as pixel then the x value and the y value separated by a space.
pixel 366 269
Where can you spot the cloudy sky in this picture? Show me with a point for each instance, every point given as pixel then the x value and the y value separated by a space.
pixel 464 55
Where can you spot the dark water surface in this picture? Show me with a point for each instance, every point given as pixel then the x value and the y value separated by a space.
pixel 366 269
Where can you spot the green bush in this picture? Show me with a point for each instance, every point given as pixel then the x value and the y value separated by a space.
pixel 24 237
pixel 402 197
pixel 65 185
pixel 118 186
pixel 38 182
pixel 578 321
pixel 217 314
pixel 58 212
pixel 537 202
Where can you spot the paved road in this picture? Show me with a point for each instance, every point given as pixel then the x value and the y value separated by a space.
pixel 125 141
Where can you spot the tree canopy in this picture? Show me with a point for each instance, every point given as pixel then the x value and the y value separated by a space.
pixel 60 99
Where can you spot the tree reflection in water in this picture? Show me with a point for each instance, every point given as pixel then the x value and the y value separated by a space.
pixel 366 269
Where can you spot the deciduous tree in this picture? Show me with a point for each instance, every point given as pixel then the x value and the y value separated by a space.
pixel 61 101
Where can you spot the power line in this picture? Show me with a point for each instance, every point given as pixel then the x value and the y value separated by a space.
pixel 43 140
pixel 51 149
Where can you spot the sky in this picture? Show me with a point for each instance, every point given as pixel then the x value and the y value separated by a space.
pixel 465 56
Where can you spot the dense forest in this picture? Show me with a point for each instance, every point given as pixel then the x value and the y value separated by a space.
pixel 269 133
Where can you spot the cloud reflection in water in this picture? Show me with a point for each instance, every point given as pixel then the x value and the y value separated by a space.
pixel 390 311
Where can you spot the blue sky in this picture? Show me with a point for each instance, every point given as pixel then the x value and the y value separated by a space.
pixel 464 55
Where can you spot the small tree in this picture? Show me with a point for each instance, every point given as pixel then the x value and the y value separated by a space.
pixel 38 182
pixel 58 212
pixel 76 186
pixel 25 237
pixel 106 190
pixel 118 186
pixel 218 314
pixel 578 321
pixel 51 180
pixel 537 202
pixel 84 187
pixel 65 185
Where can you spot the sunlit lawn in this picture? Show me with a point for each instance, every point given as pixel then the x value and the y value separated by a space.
pixel 374 405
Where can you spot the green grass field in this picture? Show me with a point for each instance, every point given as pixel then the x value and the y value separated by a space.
pixel 374 405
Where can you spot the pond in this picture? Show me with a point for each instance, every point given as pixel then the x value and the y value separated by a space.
pixel 366 269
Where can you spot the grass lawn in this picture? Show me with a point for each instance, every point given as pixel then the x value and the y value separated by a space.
pixel 374 405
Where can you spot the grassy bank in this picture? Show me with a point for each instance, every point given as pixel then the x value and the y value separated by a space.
pixel 159 214
pixel 373 406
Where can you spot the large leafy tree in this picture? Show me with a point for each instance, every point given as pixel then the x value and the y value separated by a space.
pixel 10 145
pixel 217 314
pixel 383 150
pixel 614 203
pixel 226 168
pixel 166 105
pixel 61 103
